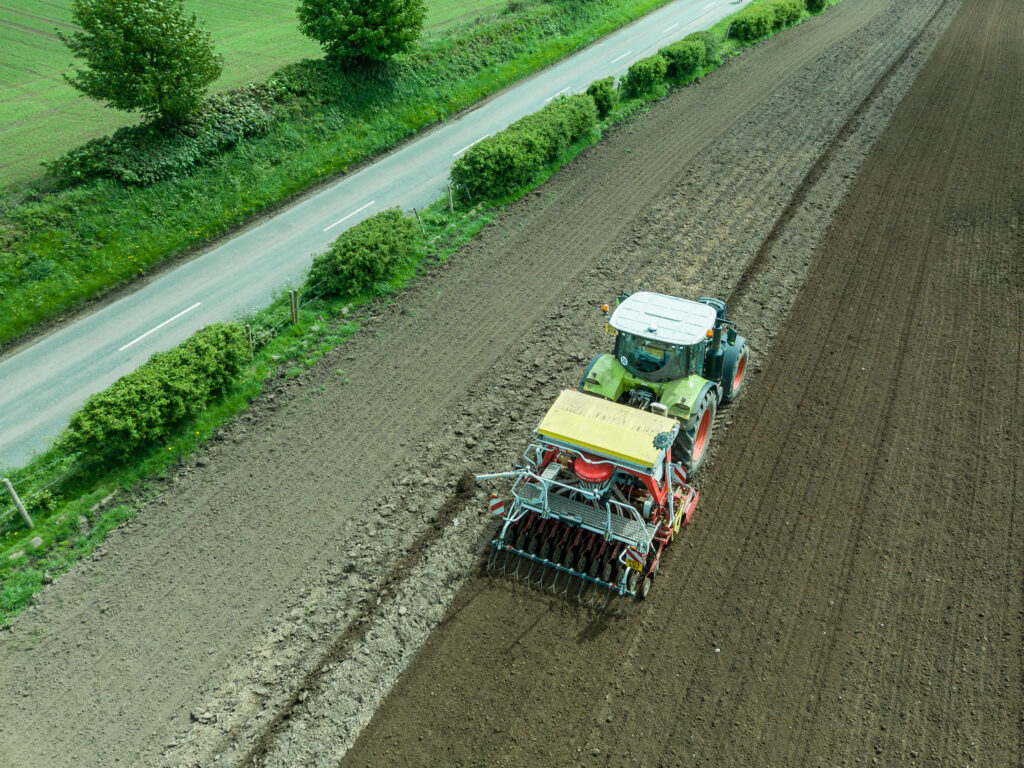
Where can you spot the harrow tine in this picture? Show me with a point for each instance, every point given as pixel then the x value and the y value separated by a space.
pixel 585 595
pixel 630 605
pixel 565 590
pixel 542 576
pixel 553 586
pixel 622 600
pixel 544 571
pixel 547 544
pixel 533 563
pixel 592 599
pixel 519 564
pixel 595 590
pixel 493 559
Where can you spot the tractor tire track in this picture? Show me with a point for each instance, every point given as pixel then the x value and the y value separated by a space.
pixel 756 265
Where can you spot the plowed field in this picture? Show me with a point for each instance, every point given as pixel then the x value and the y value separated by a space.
pixel 850 589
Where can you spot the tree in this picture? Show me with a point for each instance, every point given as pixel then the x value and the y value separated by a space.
pixel 146 56
pixel 362 30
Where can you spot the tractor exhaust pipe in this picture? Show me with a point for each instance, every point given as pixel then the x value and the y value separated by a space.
pixel 716 356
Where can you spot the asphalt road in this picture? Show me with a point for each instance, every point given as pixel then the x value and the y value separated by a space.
pixel 42 385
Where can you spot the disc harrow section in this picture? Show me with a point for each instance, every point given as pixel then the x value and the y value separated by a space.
pixel 588 520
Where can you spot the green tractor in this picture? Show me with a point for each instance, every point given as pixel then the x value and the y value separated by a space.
pixel 674 357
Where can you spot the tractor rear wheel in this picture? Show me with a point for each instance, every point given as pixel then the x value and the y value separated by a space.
pixel 691 446
pixel 734 373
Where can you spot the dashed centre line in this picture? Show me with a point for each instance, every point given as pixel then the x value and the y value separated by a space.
pixel 669 28
pixel 555 96
pixel 620 58
pixel 456 154
pixel 346 218
pixel 709 5
pixel 154 330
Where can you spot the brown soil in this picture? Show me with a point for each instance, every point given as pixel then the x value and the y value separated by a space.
pixel 851 591
pixel 248 605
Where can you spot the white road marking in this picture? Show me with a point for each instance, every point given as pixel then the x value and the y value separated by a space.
pixel 154 330
pixel 620 58
pixel 346 218
pixel 564 90
pixel 669 28
pixel 709 5
pixel 456 154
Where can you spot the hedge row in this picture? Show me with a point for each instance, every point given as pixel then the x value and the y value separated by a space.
pixel 145 154
pixel 685 59
pixel 644 75
pixel 757 21
pixel 506 161
pixel 603 94
pixel 141 409
pixel 364 257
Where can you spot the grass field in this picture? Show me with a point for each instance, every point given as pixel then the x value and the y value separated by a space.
pixel 41 116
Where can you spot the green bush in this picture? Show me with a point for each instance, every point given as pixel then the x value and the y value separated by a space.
pixel 365 256
pixel 757 21
pixel 644 75
pixel 145 154
pixel 506 161
pixel 711 43
pixel 753 23
pixel 685 59
pixel 816 6
pixel 141 409
pixel 787 12
pixel 603 94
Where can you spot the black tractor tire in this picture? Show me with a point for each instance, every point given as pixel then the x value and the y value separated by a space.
pixel 691 446
pixel 734 370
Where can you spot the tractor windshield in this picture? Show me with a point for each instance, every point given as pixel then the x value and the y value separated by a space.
pixel 649 359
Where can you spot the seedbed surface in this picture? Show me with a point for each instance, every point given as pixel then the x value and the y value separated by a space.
pixel 850 586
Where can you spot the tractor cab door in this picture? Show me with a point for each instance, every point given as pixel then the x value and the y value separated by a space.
pixel 695 359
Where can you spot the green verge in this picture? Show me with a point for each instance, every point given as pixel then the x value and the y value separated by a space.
pixel 64 246
pixel 73 508
pixel 74 504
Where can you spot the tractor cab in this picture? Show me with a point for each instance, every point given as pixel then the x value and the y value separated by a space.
pixel 674 357
pixel 660 338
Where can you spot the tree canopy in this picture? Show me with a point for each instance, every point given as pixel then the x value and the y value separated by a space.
pixel 147 56
pixel 362 30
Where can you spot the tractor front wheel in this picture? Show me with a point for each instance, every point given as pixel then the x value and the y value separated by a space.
pixel 691 446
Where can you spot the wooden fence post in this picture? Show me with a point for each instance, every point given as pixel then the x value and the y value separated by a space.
pixel 18 504
pixel 420 221
pixel 451 200
pixel 293 298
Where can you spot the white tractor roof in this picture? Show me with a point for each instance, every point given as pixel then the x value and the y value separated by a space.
pixel 664 318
